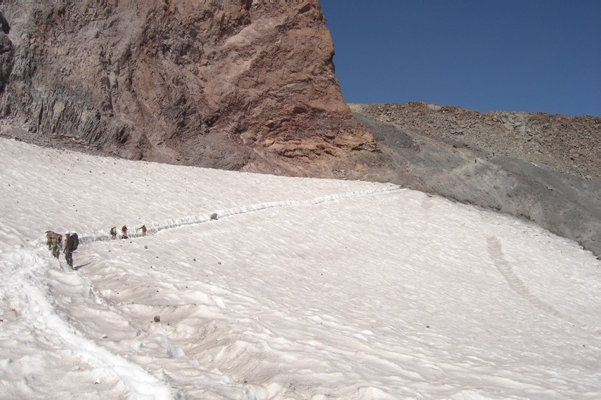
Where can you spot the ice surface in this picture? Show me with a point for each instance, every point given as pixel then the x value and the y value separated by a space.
pixel 300 289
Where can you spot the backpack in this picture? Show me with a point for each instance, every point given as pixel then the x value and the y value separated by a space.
pixel 73 242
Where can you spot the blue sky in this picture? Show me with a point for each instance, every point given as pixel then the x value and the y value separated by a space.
pixel 504 55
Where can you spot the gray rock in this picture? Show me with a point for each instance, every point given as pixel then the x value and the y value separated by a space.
pixel 567 205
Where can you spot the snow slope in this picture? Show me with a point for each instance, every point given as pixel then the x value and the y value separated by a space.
pixel 301 289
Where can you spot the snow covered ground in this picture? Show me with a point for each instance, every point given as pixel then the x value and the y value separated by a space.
pixel 301 289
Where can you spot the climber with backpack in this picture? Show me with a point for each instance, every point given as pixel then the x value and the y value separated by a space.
pixel 71 243
pixel 54 242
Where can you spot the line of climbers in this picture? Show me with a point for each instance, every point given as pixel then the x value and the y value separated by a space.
pixel 54 241
pixel 113 231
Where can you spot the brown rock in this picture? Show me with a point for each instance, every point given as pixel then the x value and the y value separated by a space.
pixel 229 84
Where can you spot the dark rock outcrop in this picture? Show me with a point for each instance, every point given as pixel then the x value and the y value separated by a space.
pixel 7 53
pixel 229 84
pixel 4 24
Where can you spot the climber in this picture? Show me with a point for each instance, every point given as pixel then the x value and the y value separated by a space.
pixel 71 243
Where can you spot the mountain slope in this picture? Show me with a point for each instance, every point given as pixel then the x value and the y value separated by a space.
pixel 516 163
pixel 301 288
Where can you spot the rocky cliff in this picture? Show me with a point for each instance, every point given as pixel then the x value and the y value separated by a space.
pixel 234 84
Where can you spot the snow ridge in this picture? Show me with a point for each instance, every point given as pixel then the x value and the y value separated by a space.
pixel 155 227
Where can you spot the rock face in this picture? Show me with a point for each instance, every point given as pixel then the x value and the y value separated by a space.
pixel 234 84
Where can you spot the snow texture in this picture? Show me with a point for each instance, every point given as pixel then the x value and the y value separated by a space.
pixel 299 289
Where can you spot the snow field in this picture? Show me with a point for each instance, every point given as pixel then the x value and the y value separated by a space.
pixel 302 289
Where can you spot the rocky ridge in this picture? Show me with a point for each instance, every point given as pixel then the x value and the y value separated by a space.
pixel 235 84
pixel 563 143
pixel 545 168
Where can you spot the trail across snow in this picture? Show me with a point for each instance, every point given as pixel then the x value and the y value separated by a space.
pixel 155 227
pixel 301 289
pixel 37 312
